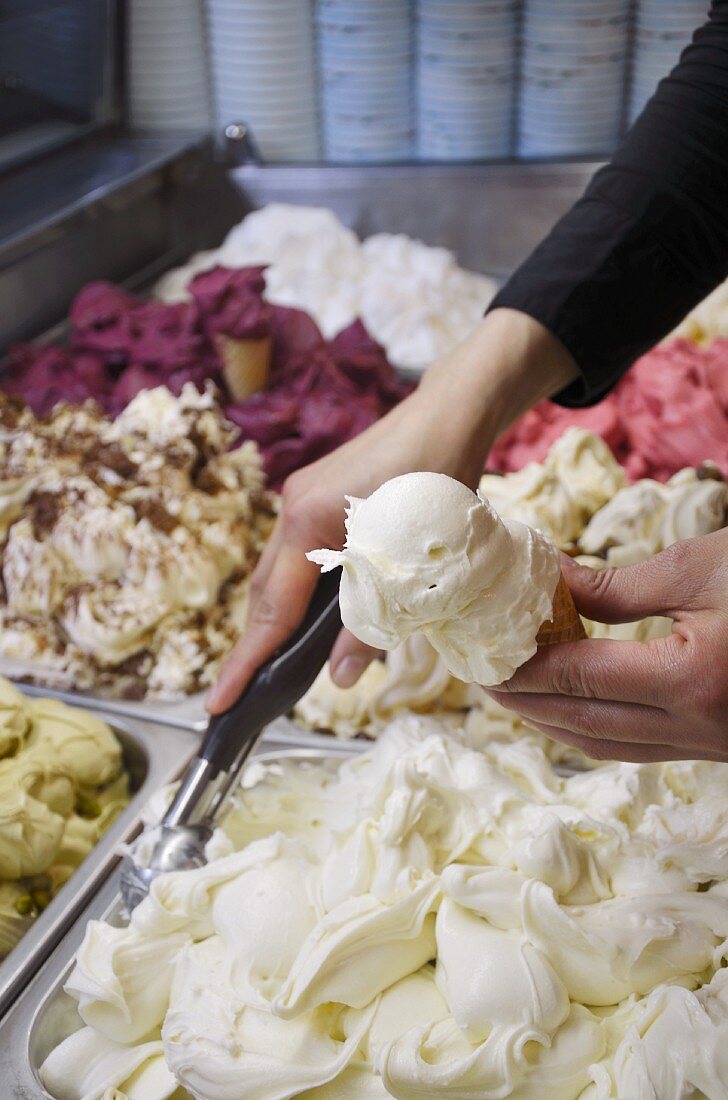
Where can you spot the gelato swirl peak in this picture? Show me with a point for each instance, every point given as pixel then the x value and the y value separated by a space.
pixel 424 554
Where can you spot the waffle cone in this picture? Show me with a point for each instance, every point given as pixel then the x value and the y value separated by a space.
pixel 245 364
pixel 565 624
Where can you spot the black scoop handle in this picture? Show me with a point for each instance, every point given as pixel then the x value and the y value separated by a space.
pixel 279 682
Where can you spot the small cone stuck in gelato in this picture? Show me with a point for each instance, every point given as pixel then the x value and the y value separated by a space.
pixel 426 555
pixel 245 364
pixel 238 322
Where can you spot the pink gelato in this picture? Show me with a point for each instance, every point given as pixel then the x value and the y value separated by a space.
pixel 669 411
pixel 167 342
pixel 100 317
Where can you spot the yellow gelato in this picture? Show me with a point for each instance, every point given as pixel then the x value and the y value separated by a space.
pixel 559 495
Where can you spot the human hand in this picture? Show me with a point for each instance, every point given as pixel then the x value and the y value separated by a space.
pixel 665 699
pixel 447 425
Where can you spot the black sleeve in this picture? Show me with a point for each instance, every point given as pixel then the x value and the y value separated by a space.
pixel 649 237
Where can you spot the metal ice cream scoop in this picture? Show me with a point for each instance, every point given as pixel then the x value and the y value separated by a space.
pixel 188 824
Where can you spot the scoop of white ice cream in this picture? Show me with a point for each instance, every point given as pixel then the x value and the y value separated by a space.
pixel 424 554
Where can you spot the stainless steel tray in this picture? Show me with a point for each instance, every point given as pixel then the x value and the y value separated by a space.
pixel 44 1015
pixel 154 755
pixel 185 714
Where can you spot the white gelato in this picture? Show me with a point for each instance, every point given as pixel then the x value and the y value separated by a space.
pixel 559 495
pixel 411 677
pixel 415 300
pixel 14 491
pixel 708 320
pixel 647 517
pixel 428 919
pixel 426 555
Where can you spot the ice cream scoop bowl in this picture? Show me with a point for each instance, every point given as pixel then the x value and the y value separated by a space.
pixel 177 848
pixel 178 842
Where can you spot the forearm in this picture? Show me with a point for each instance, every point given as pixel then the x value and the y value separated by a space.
pixel 507 364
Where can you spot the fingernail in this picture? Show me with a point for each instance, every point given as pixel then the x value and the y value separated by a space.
pixel 346 673
pixel 211 697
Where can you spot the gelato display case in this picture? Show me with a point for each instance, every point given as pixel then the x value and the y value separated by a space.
pixel 222 255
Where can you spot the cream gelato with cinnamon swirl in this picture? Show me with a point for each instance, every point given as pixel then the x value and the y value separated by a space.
pixel 126 550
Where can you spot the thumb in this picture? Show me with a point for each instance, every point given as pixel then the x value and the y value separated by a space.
pixel 670 582
pixel 349 659
pixel 274 616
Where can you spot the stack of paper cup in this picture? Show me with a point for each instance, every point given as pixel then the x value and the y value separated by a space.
pixel 263 66
pixel 365 55
pixel 663 29
pixel 466 72
pixel 168 79
pixel 572 74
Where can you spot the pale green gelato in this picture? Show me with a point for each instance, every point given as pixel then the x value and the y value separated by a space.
pixel 30 833
pixel 14 719
pixel 79 741
pixel 61 786
pixel 17 912
pixel 36 772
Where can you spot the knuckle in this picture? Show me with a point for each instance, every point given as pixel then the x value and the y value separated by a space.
pixel 672 679
pixel 712 689
pixel 297 513
pixel 697 675
pixel 598 748
pixel 255 589
pixel 292 487
pixel 679 556
pixel 265 612
pixel 602 582
pixel 568 677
